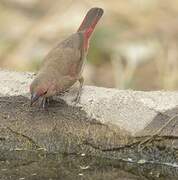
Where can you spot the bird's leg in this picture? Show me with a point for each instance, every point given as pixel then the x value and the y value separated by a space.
pixel 44 102
pixel 48 100
pixel 77 99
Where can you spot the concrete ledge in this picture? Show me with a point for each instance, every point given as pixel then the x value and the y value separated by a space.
pixel 104 119
pixel 129 110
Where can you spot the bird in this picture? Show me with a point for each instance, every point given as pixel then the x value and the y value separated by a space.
pixel 62 67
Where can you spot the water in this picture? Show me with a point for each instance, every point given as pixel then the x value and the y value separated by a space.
pixel 66 167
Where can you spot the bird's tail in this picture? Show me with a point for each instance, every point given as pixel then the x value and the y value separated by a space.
pixel 91 19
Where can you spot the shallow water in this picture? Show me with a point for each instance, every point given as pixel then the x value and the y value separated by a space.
pixel 55 167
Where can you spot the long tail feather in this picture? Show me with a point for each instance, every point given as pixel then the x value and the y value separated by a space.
pixel 91 19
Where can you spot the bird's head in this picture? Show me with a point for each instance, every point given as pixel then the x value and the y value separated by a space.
pixel 37 89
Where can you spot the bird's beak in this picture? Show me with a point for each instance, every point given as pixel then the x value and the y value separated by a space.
pixel 34 98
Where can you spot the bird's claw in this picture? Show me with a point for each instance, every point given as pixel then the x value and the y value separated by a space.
pixel 76 100
pixel 44 102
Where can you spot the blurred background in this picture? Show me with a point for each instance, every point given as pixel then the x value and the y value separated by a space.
pixel 135 45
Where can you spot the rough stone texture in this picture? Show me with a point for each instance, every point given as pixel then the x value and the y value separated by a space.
pixel 130 110
pixel 108 123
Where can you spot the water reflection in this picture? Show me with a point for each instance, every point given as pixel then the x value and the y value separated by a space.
pixel 53 167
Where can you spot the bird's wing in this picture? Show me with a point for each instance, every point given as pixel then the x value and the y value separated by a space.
pixel 66 59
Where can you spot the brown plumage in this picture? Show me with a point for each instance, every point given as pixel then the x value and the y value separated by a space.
pixel 63 65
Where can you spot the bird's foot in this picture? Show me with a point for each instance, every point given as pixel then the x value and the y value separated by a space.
pixel 76 100
pixel 45 102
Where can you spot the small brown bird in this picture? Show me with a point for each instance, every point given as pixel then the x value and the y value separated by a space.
pixel 63 65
